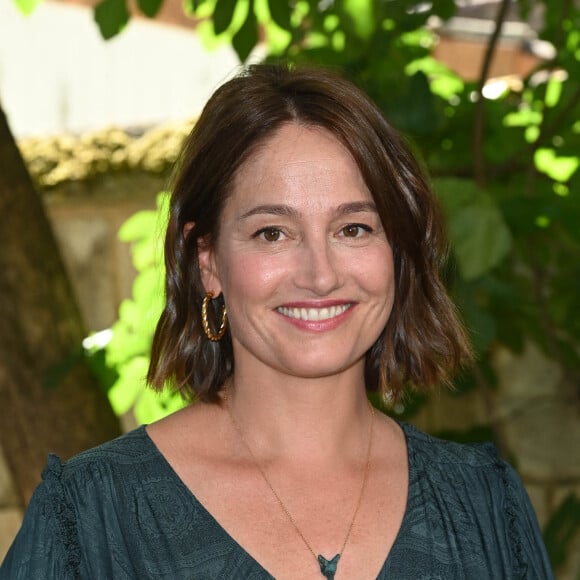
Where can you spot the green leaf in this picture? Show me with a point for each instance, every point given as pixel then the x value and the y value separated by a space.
pixel 152 406
pixel 445 9
pixel 443 81
pixel 150 7
pixel 138 226
pixel 132 333
pixel 362 15
pixel 477 229
pixel 131 382
pixel 556 167
pixel 191 6
pixel 105 374
pixel 162 202
pixel 148 291
pixel 414 111
pixel 246 38
pixel 222 15
pixel 147 252
pixel 27 7
pixel 280 12
pixel 111 16
pixel 524 117
pixel 481 324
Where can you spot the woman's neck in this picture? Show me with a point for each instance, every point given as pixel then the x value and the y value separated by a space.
pixel 319 419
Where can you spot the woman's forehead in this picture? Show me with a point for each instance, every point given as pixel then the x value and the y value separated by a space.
pixel 298 161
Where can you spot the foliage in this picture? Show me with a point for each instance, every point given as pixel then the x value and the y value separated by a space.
pixel 62 158
pixel 505 169
pixel 562 528
pixel 128 350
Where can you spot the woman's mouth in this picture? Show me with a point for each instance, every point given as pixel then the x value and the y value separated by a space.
pixel 314 314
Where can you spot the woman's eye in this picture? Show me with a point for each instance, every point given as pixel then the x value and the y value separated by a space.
pixel 269 234
pixel 354 230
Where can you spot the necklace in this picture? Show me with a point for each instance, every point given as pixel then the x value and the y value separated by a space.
pixel 327 567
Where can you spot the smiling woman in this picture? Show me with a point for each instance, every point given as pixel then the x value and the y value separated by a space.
pixel 302 255
pixel 284 268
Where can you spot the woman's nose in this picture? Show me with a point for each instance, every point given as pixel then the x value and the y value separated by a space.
pixel 317 268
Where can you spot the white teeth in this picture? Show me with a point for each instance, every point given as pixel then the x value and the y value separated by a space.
pixel 313 314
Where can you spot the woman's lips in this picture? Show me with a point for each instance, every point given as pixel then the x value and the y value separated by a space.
pixel 316 317
pixel 314 314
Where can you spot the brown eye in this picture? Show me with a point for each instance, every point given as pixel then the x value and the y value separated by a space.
pixel 271 234
pixel 351 231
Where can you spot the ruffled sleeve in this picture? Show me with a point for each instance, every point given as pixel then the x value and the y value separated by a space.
pixel 46 546
pixel 530 559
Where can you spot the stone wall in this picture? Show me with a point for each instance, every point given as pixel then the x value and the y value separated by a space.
pixel 540 419
pixel 118 174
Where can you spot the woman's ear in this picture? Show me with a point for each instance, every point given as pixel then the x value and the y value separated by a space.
pixel 187 228
pixel 208 267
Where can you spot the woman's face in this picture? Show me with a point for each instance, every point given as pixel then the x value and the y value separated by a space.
pixel 302 259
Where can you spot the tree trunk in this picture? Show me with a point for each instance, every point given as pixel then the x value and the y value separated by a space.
pixel 49 400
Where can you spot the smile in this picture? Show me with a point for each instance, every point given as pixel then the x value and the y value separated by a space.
pixel 313 314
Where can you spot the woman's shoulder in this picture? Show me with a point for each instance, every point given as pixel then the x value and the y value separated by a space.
pixel 127 461
pixel 470 490
pixel 125 449
pixel 447 453
pixel 454 471
pixel 85 487
pixel 119 454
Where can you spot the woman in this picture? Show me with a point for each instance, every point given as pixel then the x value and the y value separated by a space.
pixel 302 258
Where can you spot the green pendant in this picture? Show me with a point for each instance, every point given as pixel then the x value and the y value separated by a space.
pixel 328 567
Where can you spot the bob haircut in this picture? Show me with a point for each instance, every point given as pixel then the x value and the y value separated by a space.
pixel 423 342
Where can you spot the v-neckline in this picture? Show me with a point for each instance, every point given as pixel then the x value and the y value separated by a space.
pixel 403 426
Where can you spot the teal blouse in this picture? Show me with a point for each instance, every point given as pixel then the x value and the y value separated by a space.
pixel 119 511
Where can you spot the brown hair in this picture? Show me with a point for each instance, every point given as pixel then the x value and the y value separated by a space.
pixel 423 342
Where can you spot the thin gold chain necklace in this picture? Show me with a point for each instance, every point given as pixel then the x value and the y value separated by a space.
pixel 327 567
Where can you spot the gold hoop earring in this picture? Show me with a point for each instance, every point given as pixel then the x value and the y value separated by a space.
pixel 205 323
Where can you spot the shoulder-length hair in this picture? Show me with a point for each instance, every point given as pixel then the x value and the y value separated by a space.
pixel 423 342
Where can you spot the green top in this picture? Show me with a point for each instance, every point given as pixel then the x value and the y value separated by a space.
pixel 119 511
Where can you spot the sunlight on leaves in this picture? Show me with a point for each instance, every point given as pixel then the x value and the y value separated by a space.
pixel 128 350
pixel 152 406
pixel 522 118
pixel 558 168
pixel 361 13
pixel 553 92
pixel 27 7
pixel 443 81
pixel 222 15
pixel 421 37
pixel 129 386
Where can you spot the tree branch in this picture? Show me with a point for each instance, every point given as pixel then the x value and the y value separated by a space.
pixel 479 121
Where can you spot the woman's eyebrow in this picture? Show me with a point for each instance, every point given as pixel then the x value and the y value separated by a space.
pixel 356 207
pixel 274 209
